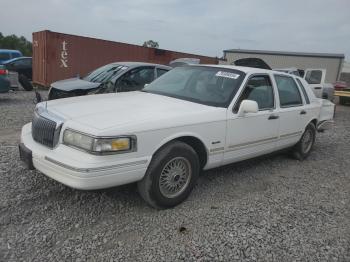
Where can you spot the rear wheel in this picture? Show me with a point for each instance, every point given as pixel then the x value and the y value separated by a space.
pixel 26 84
pixel 303 148
pixel 171 176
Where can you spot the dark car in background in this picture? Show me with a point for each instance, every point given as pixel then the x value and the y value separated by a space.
pixel 114 77
pixel 22 66
pixel 7 54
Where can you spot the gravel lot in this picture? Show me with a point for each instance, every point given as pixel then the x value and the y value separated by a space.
pixel 271 209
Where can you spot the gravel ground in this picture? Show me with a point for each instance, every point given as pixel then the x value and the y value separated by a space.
pixel 268 209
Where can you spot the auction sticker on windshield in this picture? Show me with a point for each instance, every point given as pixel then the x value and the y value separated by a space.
pixel 227 74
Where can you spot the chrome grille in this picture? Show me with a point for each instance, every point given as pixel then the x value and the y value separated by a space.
pixel 44 131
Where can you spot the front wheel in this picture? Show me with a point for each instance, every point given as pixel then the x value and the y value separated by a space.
pixel 303 148
pixel 171 176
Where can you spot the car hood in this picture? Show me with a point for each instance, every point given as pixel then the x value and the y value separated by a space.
pixel 73 84
pixel 132 111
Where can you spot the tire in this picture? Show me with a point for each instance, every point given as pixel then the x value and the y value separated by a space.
pixel 169 167
pixel 303 148
pixel 25 83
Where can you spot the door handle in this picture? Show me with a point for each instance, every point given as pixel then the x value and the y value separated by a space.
pixel 303 112
pixel 272 117
pixel 318 87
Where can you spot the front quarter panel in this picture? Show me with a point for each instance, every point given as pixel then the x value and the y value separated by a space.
pixel 211 134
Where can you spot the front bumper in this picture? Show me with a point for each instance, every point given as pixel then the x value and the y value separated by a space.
pixel 81 170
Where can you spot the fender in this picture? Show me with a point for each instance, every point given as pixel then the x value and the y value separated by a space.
pixel 179 135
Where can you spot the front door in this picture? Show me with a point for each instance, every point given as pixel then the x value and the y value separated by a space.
pixel 253 134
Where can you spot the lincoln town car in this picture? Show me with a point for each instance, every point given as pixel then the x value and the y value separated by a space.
pixel 192 118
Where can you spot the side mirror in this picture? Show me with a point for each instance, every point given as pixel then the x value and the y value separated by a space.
pixel 248 106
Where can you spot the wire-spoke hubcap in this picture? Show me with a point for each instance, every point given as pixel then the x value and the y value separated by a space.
pixel 175 177
pixel 306 141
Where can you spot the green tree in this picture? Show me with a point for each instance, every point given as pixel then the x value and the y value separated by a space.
pixel 17 43
pixel 151 43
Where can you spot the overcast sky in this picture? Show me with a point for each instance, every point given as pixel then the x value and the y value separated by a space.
pixel 196 26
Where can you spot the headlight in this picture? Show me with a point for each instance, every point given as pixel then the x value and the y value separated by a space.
pixel 79 140
pixel 99 145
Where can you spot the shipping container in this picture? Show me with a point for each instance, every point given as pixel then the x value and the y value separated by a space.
pixel 58 56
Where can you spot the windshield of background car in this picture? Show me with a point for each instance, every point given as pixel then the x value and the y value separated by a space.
pixel 105 73
pixel 205 85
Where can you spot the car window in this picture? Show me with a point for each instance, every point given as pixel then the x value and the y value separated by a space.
pixel 304 91
pixel 260 90
pixel 135 79
pixel 161 72
pixel 288 91
pixel 105 73
pixel 14 55
pixel 21 62
pixel 5 56
pixel 313 76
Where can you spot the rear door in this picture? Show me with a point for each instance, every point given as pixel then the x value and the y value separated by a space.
pixel 316 79
pixel 292 111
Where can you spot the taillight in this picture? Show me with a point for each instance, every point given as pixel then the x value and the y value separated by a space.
pixel 3 72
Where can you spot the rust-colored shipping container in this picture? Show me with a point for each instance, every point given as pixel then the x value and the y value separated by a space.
pixel 57 56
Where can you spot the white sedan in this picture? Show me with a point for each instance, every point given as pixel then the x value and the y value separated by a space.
pixel 192 118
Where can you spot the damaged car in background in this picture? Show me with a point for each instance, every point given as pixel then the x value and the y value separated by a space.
pixel 193 118
pixel 114 77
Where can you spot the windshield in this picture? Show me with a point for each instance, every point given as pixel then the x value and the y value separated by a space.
pixel 200 84
pixel 105 73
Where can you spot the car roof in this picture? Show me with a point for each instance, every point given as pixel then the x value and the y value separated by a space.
pixel 246 70
pixel 136 64
pixel 17 58
pixel 10 51
pixel 240 68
